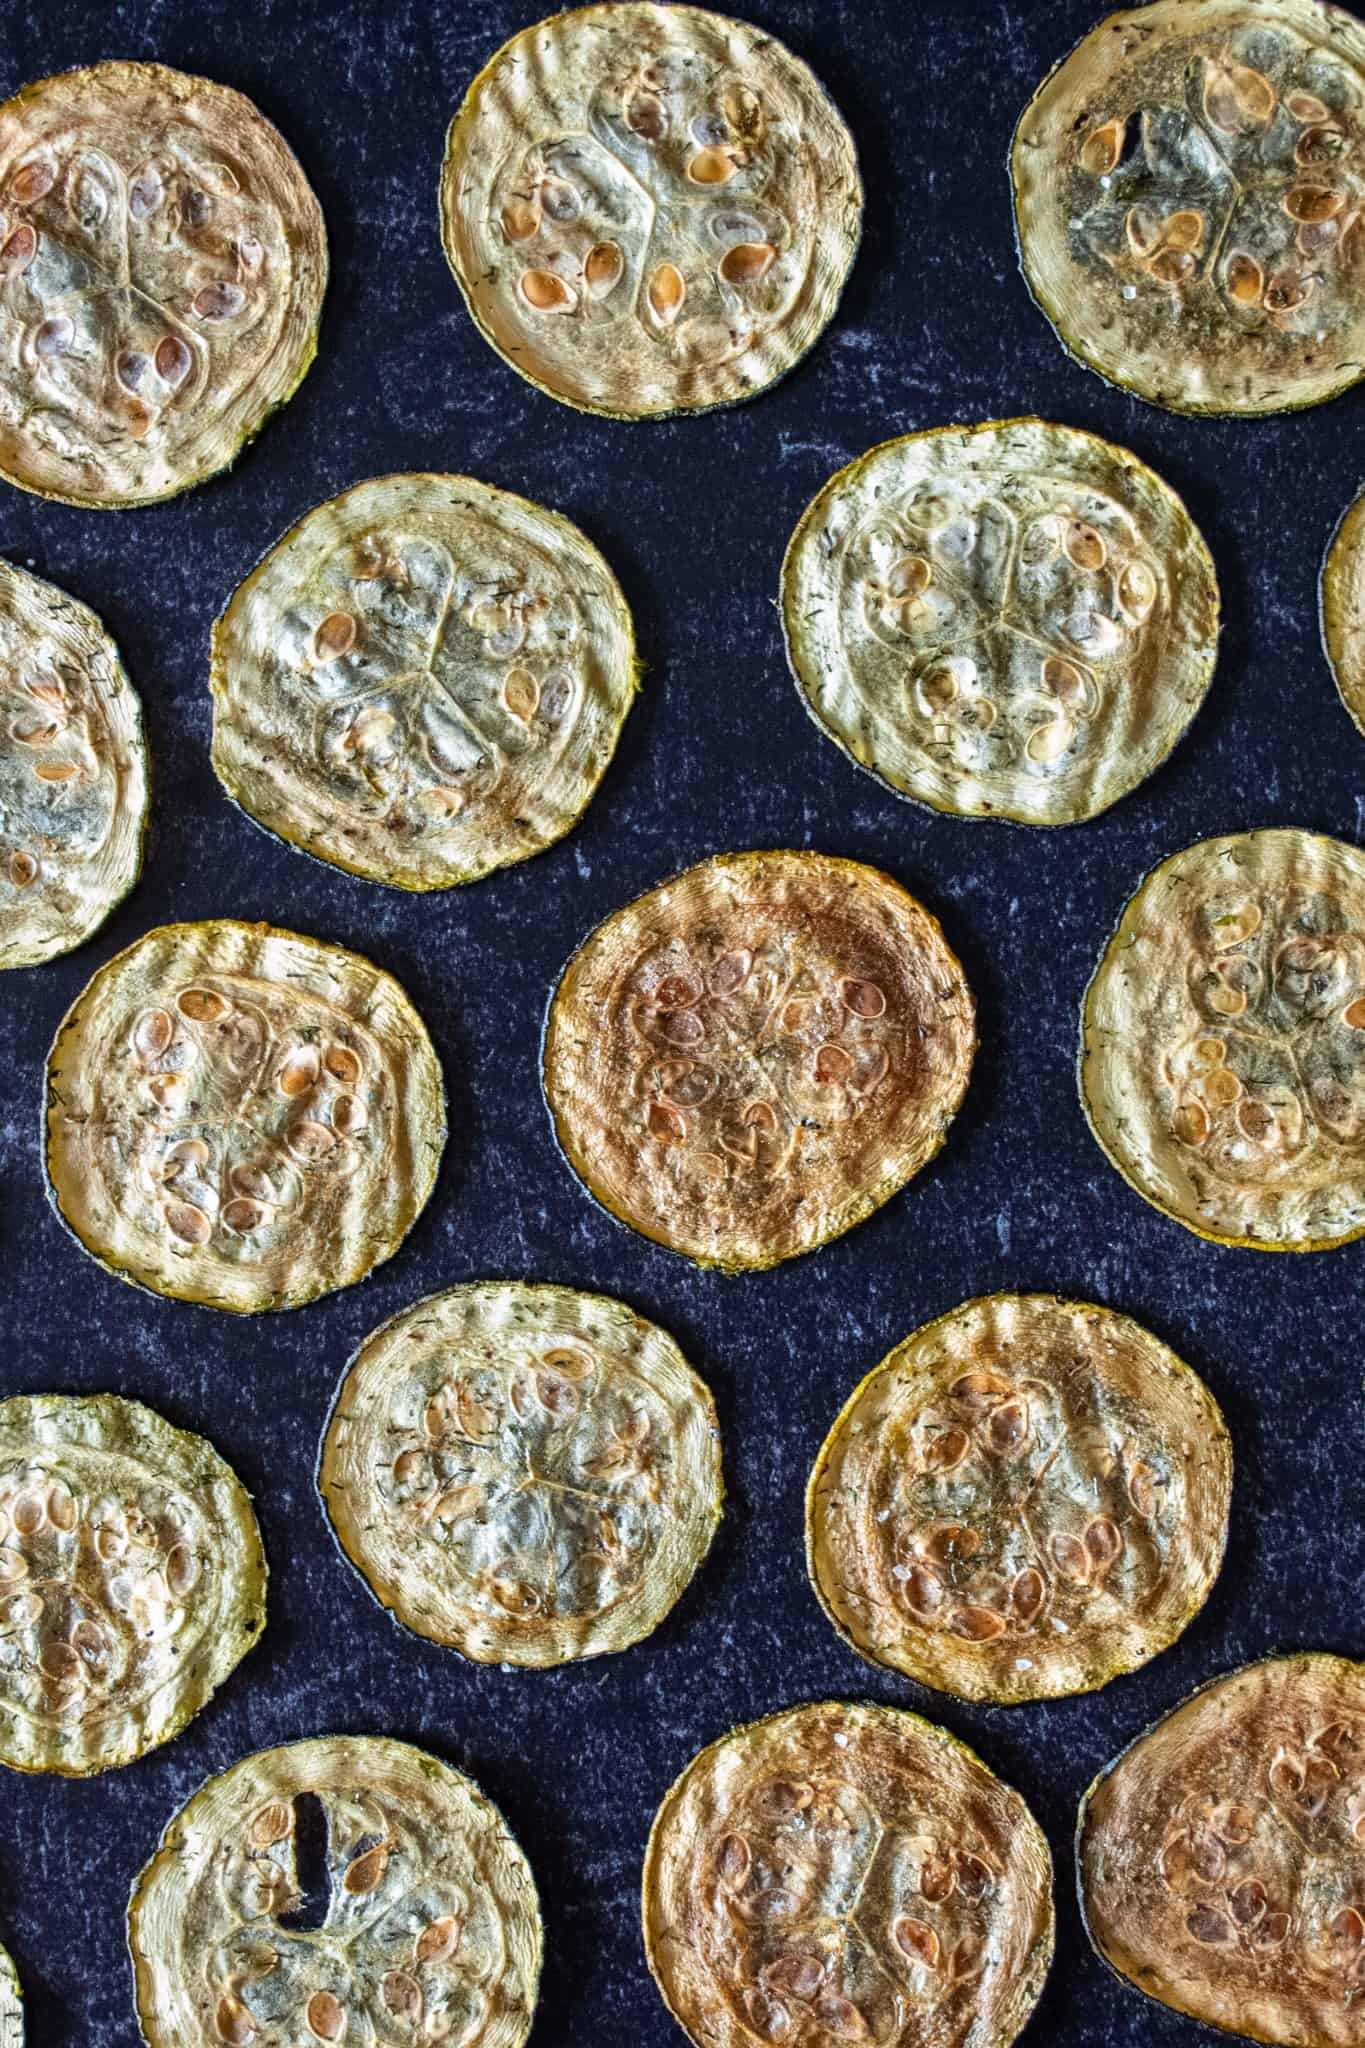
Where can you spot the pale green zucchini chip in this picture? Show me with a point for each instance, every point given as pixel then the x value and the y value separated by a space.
pixel 11 2005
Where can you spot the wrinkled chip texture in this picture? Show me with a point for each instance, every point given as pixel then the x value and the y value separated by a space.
pixel 527 1473
pixel 1024 1499
pixel 424 680
pixel 11 2005
pixel 1343 610
pixel 162 266
pixel 241 1116
pixel 847 1873
pixel 132 1580
pixel 346 1888
pixel 1190 202
pixel 1014 620
pixel 1223 1041
pixel 1221 1860
pixel 73 772
pixel 649 209
pixel 751 1058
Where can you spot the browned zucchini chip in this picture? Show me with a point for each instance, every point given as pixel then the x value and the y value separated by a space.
pixel 73 772
pixel 1024 1499
pixel 162 266
pixel 649 209
pixel 753 1057
pixel 1220 1857
pixel 417 1921
pixel 1013 620
pixel 11 2005
pixel 132 1581
pixel 847 1874
pixel 1189 191
pixel 424 680
pixel 1343 610
pixel 242 1117
pixel 1222 1059
pixel 528 1474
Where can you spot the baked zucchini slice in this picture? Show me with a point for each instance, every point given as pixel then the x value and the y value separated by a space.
pixel 1222 1063
pixel 1188 193
pixel 1013 620
pixel 73 772
pixel 847 1873
pixel 132 1580
pixel 242 1117
pixel 528 1474
pixel 344 1889
pixel 11 2005
pixel 751 1058
pixel 649 209
pixel 1342 603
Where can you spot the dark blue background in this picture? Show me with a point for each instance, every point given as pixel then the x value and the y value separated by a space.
pixel 936 326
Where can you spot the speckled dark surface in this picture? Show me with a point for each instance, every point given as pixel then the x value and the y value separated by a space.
pixel 694 515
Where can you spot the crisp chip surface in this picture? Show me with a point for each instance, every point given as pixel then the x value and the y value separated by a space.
pixel 132 1580
pixel 1189 191
pixel 649 209
pixel 526 1473
pixel 73 772
pixel 1014 620
pixel 1343 610
pixel 417 1921
pixel 162 266
pixel 847 1873
pixel 242 1117
pixel 1223 1041
pixel 1026 1498
pixel 11 2005
pixel 424 680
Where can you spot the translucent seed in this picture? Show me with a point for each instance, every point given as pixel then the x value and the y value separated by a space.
pixel 54 337
pixel 13 1566
pixel 666 1124
pixel 744 111
pixel 1049 742
pixel 731 971
pixel 795 1976
pixel 32 182
pixel 733 1860
pixel 747 262
pixel 221 300
pixel 29 1513
pixel 1103 147
pixel 23 868
pixel 1306 106
pixel 1143 230
pixel 937 1879
pixel 145 193
pixel 977 1624
pixel 61 1506
pixel 299 1071
pixel 326 2016
pixel 1008 1427
pixel 349 1115
pixel 1236 98
pixel 1273 1930
pixel 56 771
pixel 1103 1542
pixel 712 167
pixel 1191 1123
pixel 202 1005
pixel 1312 203
pixel 945 1452
pixel 18 250
pixel 234 2022
pixel 334 637
pixel 1183 230
pixel 342 1064
pixel 187 1223
pixel 981 1388
pixel 1085 547
pixel 1222 1087
pixel 1208 1925
pixel 365 1873
pixel 1063 680
pixel 1173 266
pixel 59 1662
pixel 131 368
pixel 832 1065
pixel 917 1941
pixel 1137 590
pixel 1026 1594
pixel 242 1217
pixel 1321 145
pixel 172 360
pixel 439 1939
pixel 1071 1558
pixel 909 579
pixel 862 998
pixel 602 268
pixel 521 694
pixel 401 1994
pixel 560 200
pixel 546 292
pixel 667 292
pixel 1142 1488
pixel 520 220
pixel 645 115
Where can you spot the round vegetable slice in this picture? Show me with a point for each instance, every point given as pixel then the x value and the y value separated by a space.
pixel 1014 620
pixel 1220 1857
pixel 649 209
pixel 917 1539
pixel 847 1873
pixel 425 679
pixel 1189 192
pixel 753 1057
pixel 162 267
pixel 242 1117
pixel 528 1474
pixel 347 1888
pixel 1343 610
pixel 11 2005
pixel 132 1580
pixel 73 772
pixel 1222 1063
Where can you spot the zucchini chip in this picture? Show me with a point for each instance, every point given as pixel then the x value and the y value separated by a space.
pixel 132 1581
pixel 753 1057
pixel 649 209
pixel 242 1117
pixel 527 1474
pixel 1220 1857
pixel 344 1889
pixel 11 2005
pixel 1189 194
pixel 1013 620
pixel 1222 1063
pixel 917 1542
pixel 425 679
pixel 73 772
pixel 1343 610
pixel 847 1873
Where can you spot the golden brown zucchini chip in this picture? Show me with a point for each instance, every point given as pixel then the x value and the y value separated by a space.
pixel 132 1580
pixel 424 680
pixel 73 772
pixel 1025 1498
pixel 240 1116
pixel 850 1874
pixel 1013 620
pixel 1343 610
pixel 11 2005
pixel 753 1057
pixel 162 266
pixel 1189 191
pixel 649 209
pixel 416 1919
pixel 1220 1857
pixel 528 1474
pixel 1222 1062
